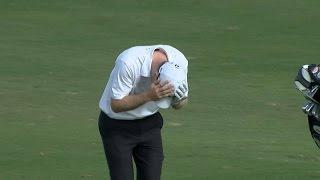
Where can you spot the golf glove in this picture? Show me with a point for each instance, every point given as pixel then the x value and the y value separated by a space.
pixel 181 92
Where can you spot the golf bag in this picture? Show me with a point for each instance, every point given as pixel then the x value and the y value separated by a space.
pixel 308 83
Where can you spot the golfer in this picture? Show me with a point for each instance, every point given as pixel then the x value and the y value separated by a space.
pixel 129 122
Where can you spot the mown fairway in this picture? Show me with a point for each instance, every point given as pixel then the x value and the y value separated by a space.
pixel 243 121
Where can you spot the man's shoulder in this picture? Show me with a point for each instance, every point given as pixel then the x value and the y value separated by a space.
pixel 132 58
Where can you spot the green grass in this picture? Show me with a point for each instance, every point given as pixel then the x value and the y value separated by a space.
pixel 243 120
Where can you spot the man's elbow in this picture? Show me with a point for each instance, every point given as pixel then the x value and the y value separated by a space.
pixel 116 105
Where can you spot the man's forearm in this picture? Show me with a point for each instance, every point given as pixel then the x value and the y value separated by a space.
pixel 129 102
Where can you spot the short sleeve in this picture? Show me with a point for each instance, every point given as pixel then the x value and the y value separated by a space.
pixel 122 81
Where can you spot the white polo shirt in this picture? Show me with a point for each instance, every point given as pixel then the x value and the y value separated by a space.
pixel 132 75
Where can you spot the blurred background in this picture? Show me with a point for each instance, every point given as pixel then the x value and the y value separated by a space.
pixel 243 120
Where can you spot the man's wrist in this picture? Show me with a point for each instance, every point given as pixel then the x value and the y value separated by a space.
pixel 145 96
pixel 179 104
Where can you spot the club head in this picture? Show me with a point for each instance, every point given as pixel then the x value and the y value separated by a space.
pixel 304 107
pixel 314 89
pixel 309 109
pixel 313 94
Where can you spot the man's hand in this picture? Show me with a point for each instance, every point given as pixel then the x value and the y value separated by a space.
pixel 160 90
pixel 180 97
pixel 181 92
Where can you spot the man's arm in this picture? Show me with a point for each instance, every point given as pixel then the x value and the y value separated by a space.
pixel 130 102
pixel 180 98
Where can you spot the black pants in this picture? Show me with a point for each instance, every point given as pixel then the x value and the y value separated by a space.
pixel 138 139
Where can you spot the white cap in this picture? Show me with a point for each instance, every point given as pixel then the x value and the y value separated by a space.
pixel 173 73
